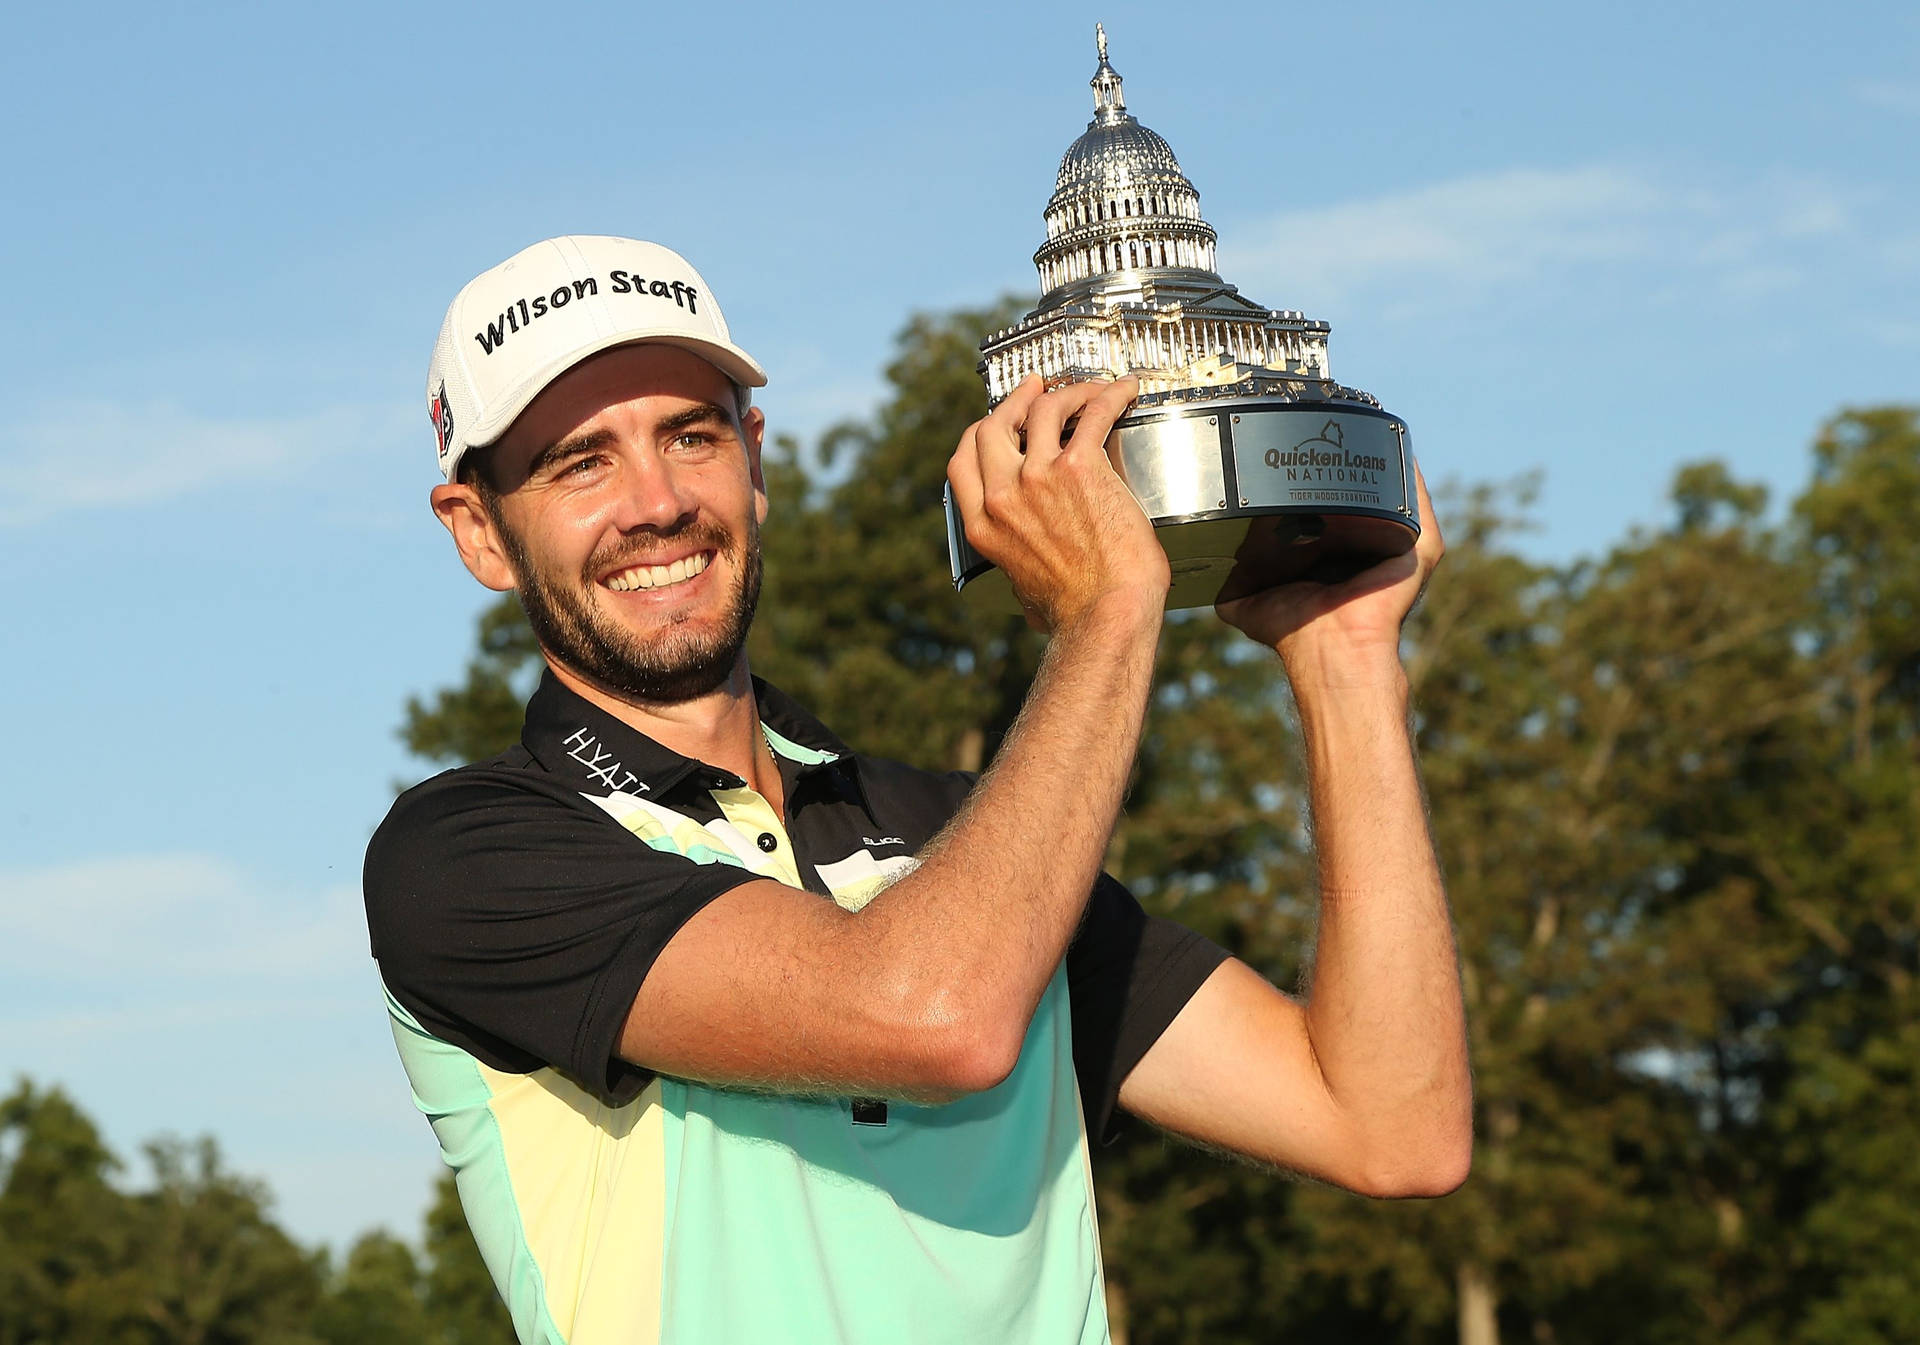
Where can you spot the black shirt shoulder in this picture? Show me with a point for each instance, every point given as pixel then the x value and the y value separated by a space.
pixel 1129 974
pixel 514 918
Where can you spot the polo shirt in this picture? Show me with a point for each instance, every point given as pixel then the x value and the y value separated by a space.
pixel 515 907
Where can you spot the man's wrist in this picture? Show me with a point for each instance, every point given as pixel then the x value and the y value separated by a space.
pixel 1120 613
pixel 1317 667
pixel 1347 725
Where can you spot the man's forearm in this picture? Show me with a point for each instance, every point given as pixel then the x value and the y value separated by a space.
pixel 1384 1013
pixel 985 919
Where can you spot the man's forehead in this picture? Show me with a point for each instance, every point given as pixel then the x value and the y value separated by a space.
pixel 657 380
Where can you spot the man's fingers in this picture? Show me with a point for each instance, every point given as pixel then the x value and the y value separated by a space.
pixel 963 473
pixel 1051 413
pixel 989 469
pixel 999 440
pixel 1096 420
pixel 1010 417
pixel 1431 545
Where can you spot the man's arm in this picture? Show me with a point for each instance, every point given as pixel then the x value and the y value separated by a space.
pixel 928 991
pixel 1365 1085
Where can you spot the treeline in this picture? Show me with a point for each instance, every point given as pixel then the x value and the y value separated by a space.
pixel 193 1256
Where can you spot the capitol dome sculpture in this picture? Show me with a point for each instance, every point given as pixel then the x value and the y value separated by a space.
pixel 1254 465
pixel 1128 280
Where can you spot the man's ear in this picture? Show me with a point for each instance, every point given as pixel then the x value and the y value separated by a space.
pixel 463 514
pixel 753 431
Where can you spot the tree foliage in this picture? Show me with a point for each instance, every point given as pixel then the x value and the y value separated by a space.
pixel 194 1257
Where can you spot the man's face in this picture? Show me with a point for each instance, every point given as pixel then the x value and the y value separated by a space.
pixel 628 510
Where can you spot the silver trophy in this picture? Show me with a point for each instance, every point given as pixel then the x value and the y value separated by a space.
pixel 1255 466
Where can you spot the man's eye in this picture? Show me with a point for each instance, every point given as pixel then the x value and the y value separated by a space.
pixel 582 464
pixel 692 439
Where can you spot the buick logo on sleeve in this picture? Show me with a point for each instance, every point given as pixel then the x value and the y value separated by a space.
pixel 442 417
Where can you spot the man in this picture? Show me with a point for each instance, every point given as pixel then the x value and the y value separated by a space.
pixel 732 1034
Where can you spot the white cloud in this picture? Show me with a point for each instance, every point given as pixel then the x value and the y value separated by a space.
pixel 178 992
pixel 1890 95
pixel 1531 231
pixel 1903 253
pixel 1814 212
pixel 1470 234
pixel 1895 332
pixel 165 918
pixel 94 455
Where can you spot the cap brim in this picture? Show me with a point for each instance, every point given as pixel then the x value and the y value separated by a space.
pixel 730 360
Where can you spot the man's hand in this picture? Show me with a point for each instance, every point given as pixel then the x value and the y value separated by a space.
pixel 1056 517
pixel 1346 633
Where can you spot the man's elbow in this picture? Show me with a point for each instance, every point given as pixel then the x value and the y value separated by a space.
pixel 975 1066
pixel 1437 1167
pixel 958 1048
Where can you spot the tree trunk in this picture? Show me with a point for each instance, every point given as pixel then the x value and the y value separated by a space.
pixel 1116 1314
pixel 970 750
pixel 1478 1323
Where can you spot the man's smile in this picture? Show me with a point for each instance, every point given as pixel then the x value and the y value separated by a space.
pixel 652 576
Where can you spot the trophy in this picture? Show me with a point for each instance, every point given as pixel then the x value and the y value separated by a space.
pixel 1256 468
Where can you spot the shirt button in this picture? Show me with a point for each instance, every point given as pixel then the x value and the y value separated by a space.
pixel 769 842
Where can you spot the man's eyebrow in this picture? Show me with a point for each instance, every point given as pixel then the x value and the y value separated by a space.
pixel 570 447
pixel 699 414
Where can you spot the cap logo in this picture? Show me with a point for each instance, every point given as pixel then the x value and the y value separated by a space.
pixel 524 312
pixel 442 417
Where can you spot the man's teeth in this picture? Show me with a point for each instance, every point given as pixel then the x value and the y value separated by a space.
pixel 659 576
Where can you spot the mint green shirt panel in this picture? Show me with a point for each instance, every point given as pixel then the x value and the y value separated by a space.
pixel 450 1090
pixel 951 1225
pixel 793 751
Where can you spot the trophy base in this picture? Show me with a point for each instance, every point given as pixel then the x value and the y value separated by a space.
pixel 1246 495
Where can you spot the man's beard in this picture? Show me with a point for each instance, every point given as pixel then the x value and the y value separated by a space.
pixel 679 664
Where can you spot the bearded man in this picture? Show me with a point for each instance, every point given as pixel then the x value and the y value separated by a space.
pixel 732 1034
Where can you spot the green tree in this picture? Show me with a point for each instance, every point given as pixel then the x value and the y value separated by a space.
pixel 462 1306
pixel 482 715
pixel 214 1268
pixel 376 1298
pixel 194 1260
pixel 1847 1077
pixel 442 1296
pixel 63 1228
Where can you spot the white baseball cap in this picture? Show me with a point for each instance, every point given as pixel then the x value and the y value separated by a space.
pixel 514 329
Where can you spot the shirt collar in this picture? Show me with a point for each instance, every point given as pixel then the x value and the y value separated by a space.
pixel 581 743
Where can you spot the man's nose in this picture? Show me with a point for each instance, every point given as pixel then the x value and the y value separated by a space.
pixel 652 495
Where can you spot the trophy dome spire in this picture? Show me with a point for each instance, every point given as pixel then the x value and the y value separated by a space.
pixel 1120 201
pixel 1109 98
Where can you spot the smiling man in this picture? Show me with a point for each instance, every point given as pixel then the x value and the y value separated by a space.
pixel 733 1034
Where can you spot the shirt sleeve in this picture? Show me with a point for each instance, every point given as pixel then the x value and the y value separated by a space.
pixel 517 925
pixel 1128 976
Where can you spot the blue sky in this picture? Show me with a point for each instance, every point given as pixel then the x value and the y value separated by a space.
pixel 1596 243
